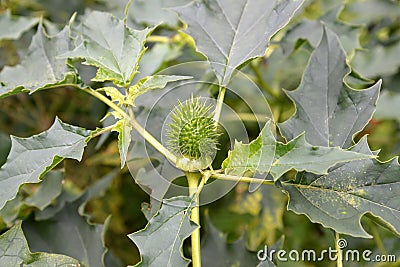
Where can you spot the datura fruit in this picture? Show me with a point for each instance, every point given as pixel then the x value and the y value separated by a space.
pixel 193 135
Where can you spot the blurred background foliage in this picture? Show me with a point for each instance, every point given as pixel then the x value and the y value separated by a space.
pixel 370 33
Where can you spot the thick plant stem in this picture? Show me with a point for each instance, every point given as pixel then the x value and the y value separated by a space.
pixel 145 134
pixel 220 102
pixel 193 182
pixel 339 260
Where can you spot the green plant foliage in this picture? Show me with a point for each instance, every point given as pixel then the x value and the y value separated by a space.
pixel 111 46
pixel 312 31
pixel 31 158
pixel 41 68
pixel 124 128
pixel 173 224
pixel 79 239
pixel 150 83
pixel 378 61
pixel 154 12
pixel 339 199
pixel 228 33
pixel 256 112
pixel 50 188
pixel 13 27
pixel 265 154
pixel 14 251
pixel 345 111
pixel 123 125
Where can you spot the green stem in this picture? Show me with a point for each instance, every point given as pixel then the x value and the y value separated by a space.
pixel 220 102
pixel 194 191
pixel 145 134
pixel 104 130
pixel 158 39
pixel 339 261
pixel 241 179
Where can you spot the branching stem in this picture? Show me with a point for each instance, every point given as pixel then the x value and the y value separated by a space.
pixel 104 130
pixel 145 134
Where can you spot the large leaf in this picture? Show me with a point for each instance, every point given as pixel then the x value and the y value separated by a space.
pixel 41 68
pixel 231 32
pixel 339 199
pixel 31 158
pixel 265 154
pixel 67 232
pixel 111 46
pixel 14 27
pixel 160 243
pixel 14 251
pixel 327 110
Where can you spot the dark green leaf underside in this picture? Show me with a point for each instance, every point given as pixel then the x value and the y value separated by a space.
pixel 14 251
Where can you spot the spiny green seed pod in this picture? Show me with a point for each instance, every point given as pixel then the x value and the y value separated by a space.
pixel 193 135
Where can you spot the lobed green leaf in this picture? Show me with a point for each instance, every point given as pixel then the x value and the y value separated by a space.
pixel 160 243
pixel 12 27
pixel 265 154
pixel 112 46
pixel 31 158
pixel 14 251
pixel 69 233
pixel 42 68
pixel 229 33
pixel 340 198
pixel 327 110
